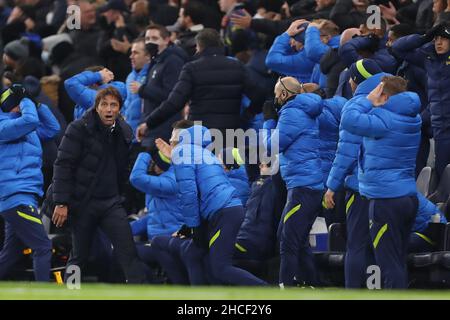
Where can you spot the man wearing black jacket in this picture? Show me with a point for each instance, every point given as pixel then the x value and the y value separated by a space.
pixel 90 173
pixel 165 66
pixel 214 84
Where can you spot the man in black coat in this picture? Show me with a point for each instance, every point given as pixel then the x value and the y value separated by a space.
pixel 214 84
pixel 90 173
pixel 165 66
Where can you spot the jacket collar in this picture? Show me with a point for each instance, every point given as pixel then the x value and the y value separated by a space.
pixel 212 51
pixel 91 120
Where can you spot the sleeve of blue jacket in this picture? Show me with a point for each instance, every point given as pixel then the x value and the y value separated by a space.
pixel 345 160
pixel 359 118
pixel 129 98
pixel 77 88
pixel 348 52
pixel 49 125
pixel 187 184
pixel 408 48
pixel 13 129
pixel 288 128
pixel 160 186
pixel 139 227
pixel 280 57
pixel 314 47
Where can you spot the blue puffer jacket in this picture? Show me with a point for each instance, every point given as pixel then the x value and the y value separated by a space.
pixel 203 184
pixel 162 200
pixel 298 132
pixel 239 180
pixel 391 132
pixel 315 49
pixel 424 212
pixel 132 105
pixel 78 89
pixel 286 61
pixel 21 153
pixel 349 53
pixel 329 121
pixel 344 170
pixel 416 51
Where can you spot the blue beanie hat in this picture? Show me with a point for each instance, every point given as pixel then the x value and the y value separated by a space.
pixel 363 69
pixel 300 37
pixel 11 97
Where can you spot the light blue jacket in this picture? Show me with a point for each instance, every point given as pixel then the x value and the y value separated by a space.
pixel 391 140
pixel 239 180
pixel 162 199
pixel 344 170
pixel 298 134
pixel 286 61
pixel 78 89
pixel 205 189
pixel 21 153
pixel 132 106
pixel 425 211
pixel 329 121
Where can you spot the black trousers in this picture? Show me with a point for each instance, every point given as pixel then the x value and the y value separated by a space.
pixel 110 216
pixel 390 222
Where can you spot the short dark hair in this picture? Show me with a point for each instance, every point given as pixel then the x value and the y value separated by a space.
pixel 208 38
pixel 182 124
pixel 108 91
pixel 402 29
pixel 195 10
pixel 164 33
pixel 394 85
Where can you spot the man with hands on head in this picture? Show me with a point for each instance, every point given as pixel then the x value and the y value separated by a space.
pixel 365 75
pixel 22 123
pixel 82 88
pixel 389 123
pixel 287 55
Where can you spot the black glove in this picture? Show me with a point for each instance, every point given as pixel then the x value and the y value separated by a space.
pixel 429 36
pixel 374 42
pixel 269 111
pixel 18 90
pixel 185 231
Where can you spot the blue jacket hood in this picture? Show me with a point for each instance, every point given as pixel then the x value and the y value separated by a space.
pixel 310 103
pixel 368 85
pixel 197 135
pixel 405 103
